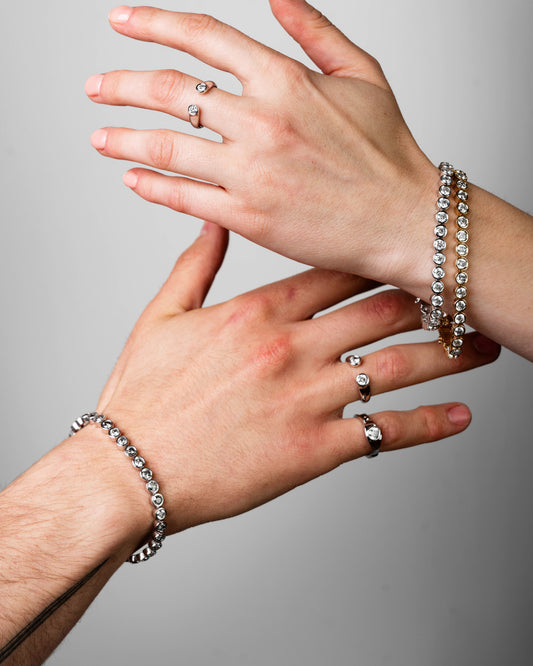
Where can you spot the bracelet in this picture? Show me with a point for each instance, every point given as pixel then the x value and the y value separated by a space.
pixel 158 536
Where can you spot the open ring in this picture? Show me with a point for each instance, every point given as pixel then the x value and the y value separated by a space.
pixel 373 434
pixel 193 109
pixel 363 384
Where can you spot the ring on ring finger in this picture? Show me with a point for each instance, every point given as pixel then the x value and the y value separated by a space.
pixel 373 434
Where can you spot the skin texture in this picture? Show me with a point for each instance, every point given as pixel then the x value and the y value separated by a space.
pixel 231 405
pixel 333 179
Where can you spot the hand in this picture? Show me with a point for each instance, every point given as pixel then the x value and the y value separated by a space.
pixel 237 403
pixel 319 167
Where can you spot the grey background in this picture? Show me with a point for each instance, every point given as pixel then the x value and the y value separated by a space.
pixel 422 557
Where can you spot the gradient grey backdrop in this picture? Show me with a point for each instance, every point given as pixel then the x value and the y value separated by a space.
pixel 421 557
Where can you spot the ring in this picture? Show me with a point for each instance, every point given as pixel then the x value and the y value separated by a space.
pixel 363 384
pixel 193 109
pixel 373 434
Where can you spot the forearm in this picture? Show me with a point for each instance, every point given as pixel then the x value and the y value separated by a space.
pixel 67 525
pixel 500 295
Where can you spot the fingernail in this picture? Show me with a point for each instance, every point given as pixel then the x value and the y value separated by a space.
pixel 92 85
pixel 459 415
pixel 120 14
pixel 205 228
pixel 98 139
pixel 486 345
pixel 130 178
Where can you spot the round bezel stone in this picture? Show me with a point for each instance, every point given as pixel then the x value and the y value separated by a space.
pixel 155 545
pixel 446 179
pixel 193 110
pixel 107 424
pixel 442 217
pixel 161 526
pixel 437 287
pixel 362 380
pixel 439 244
pixel 462 207
pixel 459 318
pixel 438 272
pixel 122 440
pixel 98 418
pixel 460 292
pixel 462 250
pixel 461 278
pixel 459 330
pixel 152 486
pixel 460 305
pixel 161 513
pixel 157 500
pixel 462 184
pixel 201 87
pixel 373 433
pixel 462 263
pixel 439 258
pixel 139 462
pixel 130 451
pixel 437 300
pixel 445 165
pixel 159 536
pixel 461 175
pixel 443 203
pixel 146 473
pixel 354 360
pixel 462 236
pixel 114 432
pixel 441 231
pixel 457 342
pixel 462 195
pixel 462 221
pixel 444 190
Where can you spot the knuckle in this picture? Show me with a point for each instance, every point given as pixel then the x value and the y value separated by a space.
pixel 195 26
pixel 274 127
pixel 161 150
pixel 431 423
pixel 256 307
pixel 177 198
pixel 273 355
pixel 393 364
pixel 167 87
pixel 386 307
pixel 391 428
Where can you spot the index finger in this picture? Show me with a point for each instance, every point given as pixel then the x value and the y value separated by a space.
pixel 201 35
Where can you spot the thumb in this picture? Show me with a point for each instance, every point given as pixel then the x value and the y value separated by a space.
pixel 194 272
pixel 325 44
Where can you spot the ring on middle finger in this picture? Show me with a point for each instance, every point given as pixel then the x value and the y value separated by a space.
pixel 193 109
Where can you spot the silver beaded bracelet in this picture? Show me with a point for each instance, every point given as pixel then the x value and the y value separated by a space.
pixel 158 536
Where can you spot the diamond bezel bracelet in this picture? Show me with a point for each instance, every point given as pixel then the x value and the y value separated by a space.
pixel 139 463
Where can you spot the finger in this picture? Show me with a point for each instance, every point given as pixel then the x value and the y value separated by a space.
pixel 168 91
pixel 325 44
pixel 205 38
pixel 192 197
pixel 368 320
pixel 404 365
pixel 346 438
pixel 163 149
pixel 194 272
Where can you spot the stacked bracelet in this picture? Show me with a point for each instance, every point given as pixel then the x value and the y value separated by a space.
pixel 158 536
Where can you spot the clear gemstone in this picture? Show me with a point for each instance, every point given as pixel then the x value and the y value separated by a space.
pixel 459 318
pixel 443 203
pixel 152 486
pixel 462 221
pixel 439 258
pixel 146 473
pixel 446 179
pixel 461 278
pixel 107 424
pixel 460 292
pixel 362 379
pixel 462 184
pixel 161 514
pixel 459 330
pixel 437 300
pixel 161 527
pixel 436 314
pixel 460 305
pixel 155 545
pixel 461 175
pixel 354 360
pixel 114 432
pixel 157 500
pixel 201 87
pixel 373 433
pixel 99 418
pixel 458 342
pixel 441 231
pixel 139 462
pixel 462 263
pixel 445 165
pixel 462 236
pixel 193 110
pixel 438 272
pixel 462 250
pixel 462 207
pixel 159 536
pixel 437 287
pixel 442 217
pixel 439 244
pixel 462 195
pixel 122 441
pixel 130 451
pixel 444 190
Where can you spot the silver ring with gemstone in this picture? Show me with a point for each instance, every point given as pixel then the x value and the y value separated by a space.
pixel 373 434
pixel 193 109
pixel 354 360
pixel 363 384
